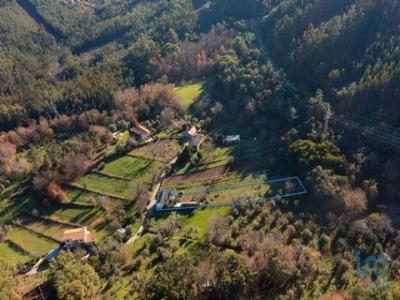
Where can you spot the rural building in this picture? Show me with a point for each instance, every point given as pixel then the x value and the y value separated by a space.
pixel 231 140
pixel 141 133
pixel 197 141
pixel 165 199
pixel 191 134
pixel 77 236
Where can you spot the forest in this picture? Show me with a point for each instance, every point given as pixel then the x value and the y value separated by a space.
pixel 311 88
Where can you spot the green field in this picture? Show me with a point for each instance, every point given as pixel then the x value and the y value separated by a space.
pixel 164 151
pixel 75 215
pixel 15 206
pixel 220 156
pixel 11 255
pixel 79 196
pixel 226 188
pixel 200 217
pixel 31 242
pixel 107 186
pixel 134 168
pixel 169 133
pixel 188 94
pixel 48 228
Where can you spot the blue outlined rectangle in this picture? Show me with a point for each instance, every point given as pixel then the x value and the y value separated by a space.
pixel 273 183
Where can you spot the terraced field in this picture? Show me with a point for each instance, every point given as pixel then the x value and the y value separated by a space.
pixel 12 207
pixel 76 215
pixel 90 197
pixel 212 156
pixel 82 197
pixel 227 188
pixel 163 151
pixel 12 255
pixel 34 244
pixel 46 228
pixel 107 186
pixel 137 168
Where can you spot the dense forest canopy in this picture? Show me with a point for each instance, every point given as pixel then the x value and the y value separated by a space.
pixel 348 48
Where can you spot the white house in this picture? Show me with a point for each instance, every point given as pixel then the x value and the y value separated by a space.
pixel 74 237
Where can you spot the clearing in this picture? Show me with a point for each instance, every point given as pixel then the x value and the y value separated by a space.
pixel 189 93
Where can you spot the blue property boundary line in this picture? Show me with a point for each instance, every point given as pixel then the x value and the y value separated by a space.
pixel 240 202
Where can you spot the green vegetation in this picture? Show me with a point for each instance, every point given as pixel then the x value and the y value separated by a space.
pixel 73 279
pixel 225 187
pixel 12 207
pixel 200 219
pixel 134 168
pixel 77 215
pixel 46 228
pixel 8 286
pixel 189 93
pixel 34 244
pixel 211 156
pixel 164 150
pixel 11 255
pixel 107 186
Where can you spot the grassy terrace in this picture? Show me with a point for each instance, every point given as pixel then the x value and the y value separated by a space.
pixel 46 228
pixel 225 188
pixel 188 94
pixel 15 206
pixel 129 167
pixel 76 215
pixel 219 156
pixel 107 186
pixel 12 255
pixel 78 196
pixel 163 151
pixel 93 217
pixel 32 243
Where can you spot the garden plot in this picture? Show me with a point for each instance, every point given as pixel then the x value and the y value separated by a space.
pixel 163 151
pixel 134 168
pixel 230 190
pixel 225 190
pixel 30 242
pixel 107 186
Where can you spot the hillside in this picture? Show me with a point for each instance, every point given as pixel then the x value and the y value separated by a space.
pixel 347 48
pixel 26 53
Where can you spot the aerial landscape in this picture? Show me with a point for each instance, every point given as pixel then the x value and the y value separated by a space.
pixel 200 149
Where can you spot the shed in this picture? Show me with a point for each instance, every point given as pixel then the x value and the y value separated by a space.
pixel 141 133
pixel 231 140
pixel 191 134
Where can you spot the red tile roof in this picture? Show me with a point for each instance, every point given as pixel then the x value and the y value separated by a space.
pixel 78 234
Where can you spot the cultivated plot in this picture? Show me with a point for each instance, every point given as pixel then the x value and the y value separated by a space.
pixel 128 167
pixel 30 242
pixel 253 189
pixel 107 186
pixel 163 151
